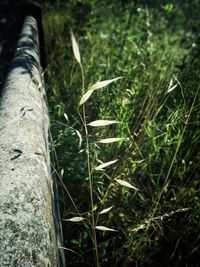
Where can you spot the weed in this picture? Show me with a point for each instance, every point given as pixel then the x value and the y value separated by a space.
pixel 154 47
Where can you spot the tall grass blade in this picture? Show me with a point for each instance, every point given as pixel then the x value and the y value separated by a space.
pixel 101 84
pixel 102 123
pixel 62 173
pixel 170 83
pixel 103 228
pixel 66 117
pixel 71 250
pixel 74 219
pixel 106 210
pixel 85 97
pixel 106 164
pixel 126 184
pixel 75 48
pixel 171 88
pixel 109 140
pixel 80 138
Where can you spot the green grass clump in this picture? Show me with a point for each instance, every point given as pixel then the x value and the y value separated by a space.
pixel 154 46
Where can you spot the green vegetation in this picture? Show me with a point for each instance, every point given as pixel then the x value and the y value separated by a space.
pixel 154 45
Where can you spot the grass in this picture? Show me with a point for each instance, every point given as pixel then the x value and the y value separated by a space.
pixel 154 47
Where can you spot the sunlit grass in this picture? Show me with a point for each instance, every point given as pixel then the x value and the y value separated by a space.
pixel 156 103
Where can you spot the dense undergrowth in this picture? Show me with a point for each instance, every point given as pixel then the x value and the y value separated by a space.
pixel 155 46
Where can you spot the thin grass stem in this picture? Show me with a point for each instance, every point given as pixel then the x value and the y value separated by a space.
pixel 83 119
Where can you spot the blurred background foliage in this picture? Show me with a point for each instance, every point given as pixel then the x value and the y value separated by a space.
pixel 149 43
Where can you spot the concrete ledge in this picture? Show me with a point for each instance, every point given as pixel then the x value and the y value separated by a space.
pixel 27 232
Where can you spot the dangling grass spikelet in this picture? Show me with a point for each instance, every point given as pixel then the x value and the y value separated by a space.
pixel 75 48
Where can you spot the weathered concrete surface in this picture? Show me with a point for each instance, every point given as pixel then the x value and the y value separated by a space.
pixel 27 232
